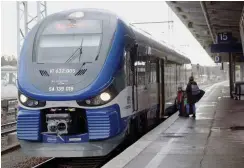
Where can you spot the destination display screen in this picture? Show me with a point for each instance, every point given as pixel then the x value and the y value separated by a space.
pixel 74 26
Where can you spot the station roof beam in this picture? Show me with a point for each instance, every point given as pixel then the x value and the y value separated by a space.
pixel 205 19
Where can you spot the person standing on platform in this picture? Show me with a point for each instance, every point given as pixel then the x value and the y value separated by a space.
pixel 180 101
pixel 191 90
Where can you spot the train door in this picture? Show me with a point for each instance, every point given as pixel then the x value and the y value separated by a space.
pixel 135 85
pixel 153 100
pixel 161 88
pixel 141 78
pixel 134 57
pixel 158 88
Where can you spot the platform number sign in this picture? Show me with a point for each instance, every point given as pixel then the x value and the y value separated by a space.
pixel 224 37
pixel 217 59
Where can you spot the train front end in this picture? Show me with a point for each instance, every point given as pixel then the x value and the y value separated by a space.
pixel 68 103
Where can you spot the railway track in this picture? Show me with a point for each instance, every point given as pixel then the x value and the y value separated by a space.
pixel 8 125
pixel 8 107
pixel 11 147
pixel 85 162
pixel 7 132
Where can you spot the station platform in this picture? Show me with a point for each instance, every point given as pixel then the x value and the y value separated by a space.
pixel 214 139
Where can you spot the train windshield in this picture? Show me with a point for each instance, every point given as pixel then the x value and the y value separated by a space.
pixel 69 41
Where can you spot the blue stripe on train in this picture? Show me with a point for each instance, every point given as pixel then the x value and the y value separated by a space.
pixel 104 123
pixel 29 125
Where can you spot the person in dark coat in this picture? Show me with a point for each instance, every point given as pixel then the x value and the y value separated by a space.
pixel 191 90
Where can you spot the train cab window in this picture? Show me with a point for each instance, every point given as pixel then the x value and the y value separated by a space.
pixel 67 41
pixel 119 80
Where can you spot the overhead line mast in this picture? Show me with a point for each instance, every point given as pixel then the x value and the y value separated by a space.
pixel 26 20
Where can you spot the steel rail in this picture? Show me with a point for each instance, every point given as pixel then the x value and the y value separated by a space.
pixel 4 133
pixel 10 148
pixel 8 124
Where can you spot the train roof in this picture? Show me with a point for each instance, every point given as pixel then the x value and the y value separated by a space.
pixel 168 52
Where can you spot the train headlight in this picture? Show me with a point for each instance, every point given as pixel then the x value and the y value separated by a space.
pixel 29 102
pixel 32 103
pixel 23 98
pixel 105 96
pixel 101 99
pixel 88 101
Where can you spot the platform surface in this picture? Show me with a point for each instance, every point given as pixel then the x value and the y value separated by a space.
pixel 208 141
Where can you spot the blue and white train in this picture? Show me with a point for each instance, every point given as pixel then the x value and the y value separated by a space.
pixel 87 80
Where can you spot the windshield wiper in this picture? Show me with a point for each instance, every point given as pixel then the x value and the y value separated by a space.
pixel 80 49
pixel 73 55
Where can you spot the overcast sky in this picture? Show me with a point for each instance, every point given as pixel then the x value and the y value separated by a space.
pixel 131 11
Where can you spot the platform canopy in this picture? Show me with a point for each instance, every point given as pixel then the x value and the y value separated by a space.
pixel 213 23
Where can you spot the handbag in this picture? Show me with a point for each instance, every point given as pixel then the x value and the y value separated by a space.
pixel 198 97
pixel 195 89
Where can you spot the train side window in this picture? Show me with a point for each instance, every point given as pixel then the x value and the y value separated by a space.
pixel 151 73
pixel 140 64
pixel 153 70
pixel 141 72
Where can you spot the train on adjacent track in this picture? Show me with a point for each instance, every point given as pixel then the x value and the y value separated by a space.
pixel 87 80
